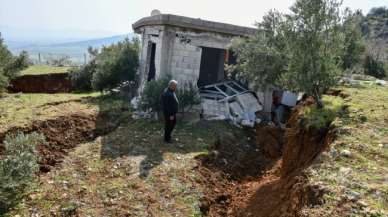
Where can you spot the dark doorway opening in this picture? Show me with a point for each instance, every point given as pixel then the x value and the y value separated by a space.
pixel 151 69
pixel 212 66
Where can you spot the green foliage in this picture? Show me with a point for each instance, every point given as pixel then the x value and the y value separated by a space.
pixel 3 82
pixel 298 51
pixel 262 58
pixel 354 45
pixel 378 11
pixel 10 66
pixel 116 64
pixel 18 166
pixel 81 78
pixel 314 47
pixel 321 117
pixel 374 67
pixel 188 96
pixel 151 95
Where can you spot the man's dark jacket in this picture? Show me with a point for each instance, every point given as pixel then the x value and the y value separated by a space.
pixel 169 103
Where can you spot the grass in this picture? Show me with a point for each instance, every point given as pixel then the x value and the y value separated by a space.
pixel 18 110
pixel 321 117
pixel 44 69
pixel 129 172
pixel 364 133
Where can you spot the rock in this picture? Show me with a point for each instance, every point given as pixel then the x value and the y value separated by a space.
pixel 362 203
pixel 381 82
pixel 353 196
pixel 333 153
pixel 345 170
pixel 346 153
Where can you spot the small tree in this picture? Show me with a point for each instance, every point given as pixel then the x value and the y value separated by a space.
pixel 188 96
pixel 10 65
pixel 374 67
pixel 151 95
pixel 81 78
pixel 262 59
pixel 354 45
pixel 299 51
pixel 116 64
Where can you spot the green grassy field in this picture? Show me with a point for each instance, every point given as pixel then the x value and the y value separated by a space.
pixel 22 109
pixel 43 69
pixel 355 170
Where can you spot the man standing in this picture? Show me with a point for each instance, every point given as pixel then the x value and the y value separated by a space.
pixel 170 108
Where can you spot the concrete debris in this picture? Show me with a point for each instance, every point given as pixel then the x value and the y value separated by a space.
pixel 344 171
pixel 230 101
pixel 346 153
pixel 289 99
pixel 381 82
pixel 135 102
pixel 141 115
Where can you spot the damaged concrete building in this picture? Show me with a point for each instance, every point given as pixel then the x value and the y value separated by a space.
pixel 188 49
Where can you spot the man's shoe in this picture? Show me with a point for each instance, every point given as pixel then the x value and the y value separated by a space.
pixel 168 141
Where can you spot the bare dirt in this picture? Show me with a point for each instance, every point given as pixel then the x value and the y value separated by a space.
pixel 336 92
pixel 62 134
pixel 44 83
pixel 265 176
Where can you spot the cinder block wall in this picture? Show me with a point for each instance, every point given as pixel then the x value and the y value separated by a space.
pixel 178 52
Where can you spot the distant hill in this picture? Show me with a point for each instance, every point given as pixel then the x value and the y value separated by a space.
pixel 76 50
pixel 375 24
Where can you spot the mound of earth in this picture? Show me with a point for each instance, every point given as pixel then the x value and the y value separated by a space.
pixel 44 83
pixel 263 178
pixel 61 133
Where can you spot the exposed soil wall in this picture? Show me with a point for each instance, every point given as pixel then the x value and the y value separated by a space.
pixel 271 182
pixel 45 83
pixel 61 133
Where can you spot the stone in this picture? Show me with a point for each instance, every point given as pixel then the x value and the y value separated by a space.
pixel 353 196
pixel 333 153
pixel 346 153
pixel 381 82
pixel 345 171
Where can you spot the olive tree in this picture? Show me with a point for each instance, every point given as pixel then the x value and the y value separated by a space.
pixel 300 51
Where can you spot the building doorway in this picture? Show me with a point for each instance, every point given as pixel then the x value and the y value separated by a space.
pixel 151 62
pixel 212 66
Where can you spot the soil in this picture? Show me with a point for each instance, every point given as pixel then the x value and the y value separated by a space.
pixel 265 178
pixel 340 93
pixel 44 83
pixel 61 133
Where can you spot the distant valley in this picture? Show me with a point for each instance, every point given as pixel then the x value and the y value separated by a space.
pixel 75 50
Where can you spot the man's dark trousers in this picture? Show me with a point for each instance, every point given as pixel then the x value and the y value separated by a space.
pixel 169 127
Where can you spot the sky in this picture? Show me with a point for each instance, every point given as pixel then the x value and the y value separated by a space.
pixel 96 18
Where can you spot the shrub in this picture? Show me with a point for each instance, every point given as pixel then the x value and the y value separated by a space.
pixel 188 96
pixel 374 67
pixel 322 117
pixel 116 64
pixel 18 166
pixel 10 65
pixel 151 95
pixel 3 82
pixel 81 78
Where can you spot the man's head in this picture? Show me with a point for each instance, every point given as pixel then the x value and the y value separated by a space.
pixel 172 85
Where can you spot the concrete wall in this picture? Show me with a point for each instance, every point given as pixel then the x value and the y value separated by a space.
pixel 178 51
